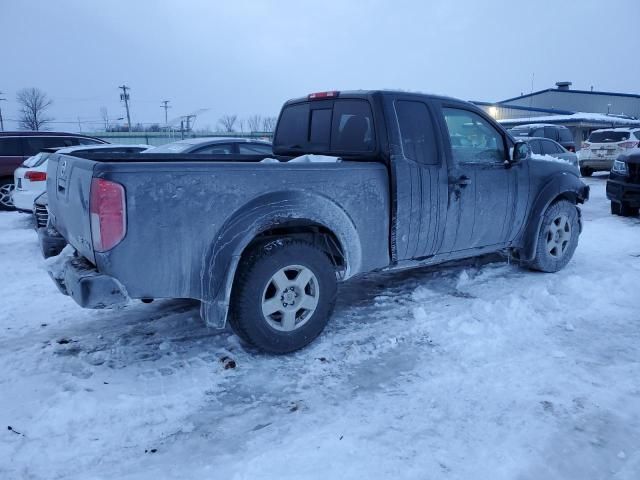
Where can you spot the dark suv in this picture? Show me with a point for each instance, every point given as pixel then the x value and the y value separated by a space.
pixel 560 134
pixel 15 147
pixel 623 186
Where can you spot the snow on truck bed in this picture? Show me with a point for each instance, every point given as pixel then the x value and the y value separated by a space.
pixel 477 372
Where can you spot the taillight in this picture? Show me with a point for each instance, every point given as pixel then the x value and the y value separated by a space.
pixel 628 144
pixel 322 95
pixel 35 176
pixel 108 214
pixel 571 149
pixel 585 145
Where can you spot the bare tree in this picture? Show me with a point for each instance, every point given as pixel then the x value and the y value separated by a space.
pixel 228 122
pixel 33 105
pixel 104 114
pixel 254 123
pixel 269 124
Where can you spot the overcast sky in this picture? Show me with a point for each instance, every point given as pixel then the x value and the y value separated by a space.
pixel 247 57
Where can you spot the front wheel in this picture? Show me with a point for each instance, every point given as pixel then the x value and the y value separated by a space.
pixel 586 171
pixel 558 237
pixel 283 296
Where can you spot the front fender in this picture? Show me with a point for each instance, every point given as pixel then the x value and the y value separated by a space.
pixel 260 214
pixel 563 184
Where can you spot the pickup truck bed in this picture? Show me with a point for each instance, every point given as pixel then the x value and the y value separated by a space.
pixel 187 215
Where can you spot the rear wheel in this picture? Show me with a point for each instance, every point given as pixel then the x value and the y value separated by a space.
pixel 615 208
pixel 6 188
pixel 558 237
pixel 284 295
pixel 586 171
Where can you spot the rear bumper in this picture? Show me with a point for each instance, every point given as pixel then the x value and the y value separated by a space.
pixel 596 163
pixel 620 192
pixel 77 278
pixel 23 199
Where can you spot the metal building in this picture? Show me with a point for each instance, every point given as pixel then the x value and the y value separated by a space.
pixel 580 110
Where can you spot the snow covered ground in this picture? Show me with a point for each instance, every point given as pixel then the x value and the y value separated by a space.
pixel 487 372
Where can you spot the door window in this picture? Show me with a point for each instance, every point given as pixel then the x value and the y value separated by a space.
pixel 550 148
pixel 551 132
pixel 416 132
pixel 535 146
pixel 473 139
pixel 11 147
pixel 215 149
pixel 254 149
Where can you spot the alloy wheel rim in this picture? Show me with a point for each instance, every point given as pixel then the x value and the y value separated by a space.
pixel 558 236
pixel 5 194
pixel 290 298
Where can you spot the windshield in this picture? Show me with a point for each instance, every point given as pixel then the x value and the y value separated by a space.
pixel 519 132
pixel 608 136
pixel 36 160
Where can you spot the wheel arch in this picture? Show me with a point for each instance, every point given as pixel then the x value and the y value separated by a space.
pixel 562 186
pixel 295 214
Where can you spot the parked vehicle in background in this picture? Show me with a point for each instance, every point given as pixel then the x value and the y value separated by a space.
pixel 557 133
pixel 545 146
pixel 51 242
pixel 30 177
pixel 41 211
pixel 603 147
pixel 406 180
pixel 623 185
pixel 15 147
pixel 216 146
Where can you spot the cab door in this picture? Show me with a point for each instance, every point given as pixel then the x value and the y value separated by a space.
pixel 485 191
pixel 419 178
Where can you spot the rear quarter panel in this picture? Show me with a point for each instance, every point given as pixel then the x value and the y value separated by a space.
pixel 177 212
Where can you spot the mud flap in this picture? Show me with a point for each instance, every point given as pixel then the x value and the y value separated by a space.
pixel 214 313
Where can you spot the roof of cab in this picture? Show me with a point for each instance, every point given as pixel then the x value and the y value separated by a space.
pixel 368 93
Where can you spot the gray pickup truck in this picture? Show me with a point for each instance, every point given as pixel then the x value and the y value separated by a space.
pixel 415 180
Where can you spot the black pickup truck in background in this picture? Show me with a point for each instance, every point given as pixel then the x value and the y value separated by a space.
pixel 416 180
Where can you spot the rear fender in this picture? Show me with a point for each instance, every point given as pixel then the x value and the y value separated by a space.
pixel 261 214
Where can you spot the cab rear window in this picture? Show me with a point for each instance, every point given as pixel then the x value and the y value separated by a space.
pixel 342 126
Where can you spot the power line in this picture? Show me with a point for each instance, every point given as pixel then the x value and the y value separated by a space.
pixel 1 120
pixel 125 96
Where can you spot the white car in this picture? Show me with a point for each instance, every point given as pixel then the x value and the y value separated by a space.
pixel 603 147
pixel 30 178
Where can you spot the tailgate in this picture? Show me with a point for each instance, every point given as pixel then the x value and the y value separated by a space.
pixel 69 189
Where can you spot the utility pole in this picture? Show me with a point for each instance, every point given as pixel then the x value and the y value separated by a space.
pixel 125 97
pixel 1 120
pixel 165 105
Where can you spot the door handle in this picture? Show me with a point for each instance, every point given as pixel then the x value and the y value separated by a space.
pixel 462 181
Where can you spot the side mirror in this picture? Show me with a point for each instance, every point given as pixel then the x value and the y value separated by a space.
pixel 521 151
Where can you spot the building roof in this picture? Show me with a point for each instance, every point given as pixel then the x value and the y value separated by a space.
pixel 569 91
pixel 591 119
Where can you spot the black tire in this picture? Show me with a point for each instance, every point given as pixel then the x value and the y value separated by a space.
pixel 627 211
pixel 255 287
pixel 558 237
pixel 615 208
pixel 586 171
pixel 6 187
